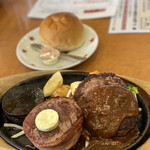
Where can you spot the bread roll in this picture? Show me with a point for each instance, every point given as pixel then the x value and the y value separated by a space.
pixel 63 31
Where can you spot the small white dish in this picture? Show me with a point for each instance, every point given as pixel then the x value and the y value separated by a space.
pixel 30 58
pixel 49 56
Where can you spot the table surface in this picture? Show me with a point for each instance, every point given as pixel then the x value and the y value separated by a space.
pixel 123 54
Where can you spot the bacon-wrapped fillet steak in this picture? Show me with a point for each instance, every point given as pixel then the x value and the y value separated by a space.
pixel 65 135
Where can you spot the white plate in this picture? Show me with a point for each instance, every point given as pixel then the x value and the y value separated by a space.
pixel 30 58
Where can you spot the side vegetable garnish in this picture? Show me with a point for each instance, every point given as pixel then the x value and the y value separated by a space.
pixel 133 89
pixel 52 84
pixel 54 87
pixel 61 91
pixel 11 125
pixel 74 85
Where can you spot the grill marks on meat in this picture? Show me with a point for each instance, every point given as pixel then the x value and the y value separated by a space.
pixel 110 109
pixel 70 121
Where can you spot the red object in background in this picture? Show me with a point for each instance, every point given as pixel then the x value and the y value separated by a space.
pixel 94 10
pixel 31 38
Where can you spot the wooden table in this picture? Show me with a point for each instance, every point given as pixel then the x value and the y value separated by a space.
pixel 123 54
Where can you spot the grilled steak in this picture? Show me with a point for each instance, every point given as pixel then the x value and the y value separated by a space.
pixel 110 109
pixel 65 135
pixel 96 80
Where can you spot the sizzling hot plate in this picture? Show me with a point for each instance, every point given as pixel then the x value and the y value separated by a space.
pixel 68 77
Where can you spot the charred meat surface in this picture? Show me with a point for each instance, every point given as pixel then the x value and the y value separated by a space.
pixel 20 100
pixel 65 135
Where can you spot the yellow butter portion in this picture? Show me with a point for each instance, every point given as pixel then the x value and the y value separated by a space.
pixel 47 120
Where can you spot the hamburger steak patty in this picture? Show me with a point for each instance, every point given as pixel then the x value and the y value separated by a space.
pixel 70 125
pixel 109 108
pixel 96 80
